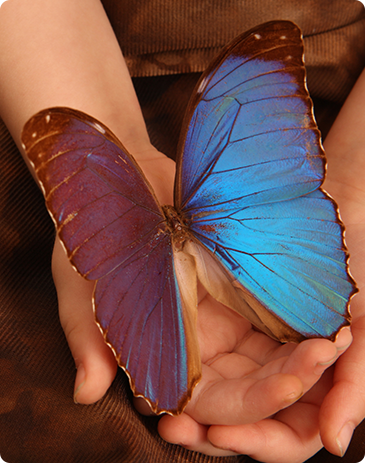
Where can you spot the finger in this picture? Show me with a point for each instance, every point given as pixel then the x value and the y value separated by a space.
pixel 95 362
pixel 291 438
pixel 344 406
pixel 338 420
pixel 344 340
pixel 307 361
pixel 235 401
pixel 311 358
pixel 185 431
pixel 262 349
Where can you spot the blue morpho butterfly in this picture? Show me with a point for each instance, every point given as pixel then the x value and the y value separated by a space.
pixel 250 218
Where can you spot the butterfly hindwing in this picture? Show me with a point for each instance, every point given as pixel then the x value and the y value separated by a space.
pixel 249 184
pixel 114 232
pixel 146 326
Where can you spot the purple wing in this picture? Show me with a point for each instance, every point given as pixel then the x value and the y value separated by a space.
pixel 114 231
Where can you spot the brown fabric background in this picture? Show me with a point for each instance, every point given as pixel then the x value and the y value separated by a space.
pixel 162 37
pixel 166 44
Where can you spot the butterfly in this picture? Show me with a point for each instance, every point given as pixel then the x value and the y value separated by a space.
pixel 250 219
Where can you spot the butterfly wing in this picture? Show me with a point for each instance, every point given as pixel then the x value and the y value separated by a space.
pixel 114 232
pixel 249 187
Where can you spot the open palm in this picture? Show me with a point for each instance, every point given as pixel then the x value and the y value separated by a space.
pixel 253 397
pixel 250 390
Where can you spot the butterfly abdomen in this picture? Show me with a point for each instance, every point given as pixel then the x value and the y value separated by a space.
pixel 177 226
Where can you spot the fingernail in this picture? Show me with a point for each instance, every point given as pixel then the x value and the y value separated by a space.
pixel 344 339
pixel 344 438
pixel 80 381
pixel 293 396
pixel 319 368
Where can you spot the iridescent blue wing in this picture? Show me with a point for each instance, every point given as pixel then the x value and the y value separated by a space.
pixel 249 188
pixel 114 232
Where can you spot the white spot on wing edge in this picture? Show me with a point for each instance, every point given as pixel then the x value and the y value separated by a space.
pixel 283 37
pixel 98 127
pixel 258 36
pixel 202 85
pixel 48 118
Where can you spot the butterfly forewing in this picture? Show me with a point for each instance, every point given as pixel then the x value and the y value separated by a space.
pixel 247 99
pixel 114 231
pixel 91 188
pixel 249 184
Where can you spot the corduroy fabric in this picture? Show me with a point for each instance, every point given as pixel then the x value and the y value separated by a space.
pixel 39 422
pixel 161 37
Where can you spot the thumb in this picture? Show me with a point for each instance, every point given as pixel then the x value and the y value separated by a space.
pixel 95 362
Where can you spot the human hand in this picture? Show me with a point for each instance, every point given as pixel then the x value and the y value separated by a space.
pixel 246 375
pixel 344 406
pixel 237 361
pixel 223 397
pixel 247 400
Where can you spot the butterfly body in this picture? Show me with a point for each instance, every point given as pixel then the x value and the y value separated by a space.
pixel 250 219
pixel 176 226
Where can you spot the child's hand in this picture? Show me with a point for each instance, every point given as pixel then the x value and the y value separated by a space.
pixel 246 375
pixel 250 390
